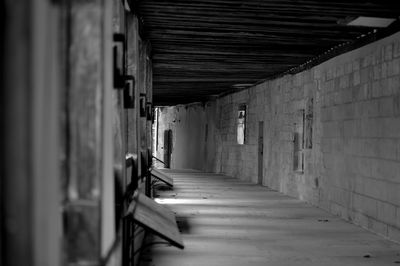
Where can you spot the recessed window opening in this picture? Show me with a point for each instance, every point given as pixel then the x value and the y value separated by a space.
pixel 241 124
pixel 298 142
pixel 309 123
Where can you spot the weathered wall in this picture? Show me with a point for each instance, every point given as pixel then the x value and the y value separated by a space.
pixel 190 148
pixel 353 167
pixel 131 130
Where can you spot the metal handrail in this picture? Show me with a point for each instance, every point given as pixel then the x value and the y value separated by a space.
pixel 154 157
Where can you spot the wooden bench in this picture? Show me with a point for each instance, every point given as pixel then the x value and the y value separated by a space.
pixel 154 217
pixel 158 174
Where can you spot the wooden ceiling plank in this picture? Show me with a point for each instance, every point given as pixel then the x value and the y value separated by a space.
pixel 204 47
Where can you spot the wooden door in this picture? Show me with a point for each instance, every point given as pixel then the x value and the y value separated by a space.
pixel 167 147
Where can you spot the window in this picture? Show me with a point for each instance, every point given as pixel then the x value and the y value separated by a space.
pixel 241 124
pixel 302 137
pixel 309 123
pixel 298 142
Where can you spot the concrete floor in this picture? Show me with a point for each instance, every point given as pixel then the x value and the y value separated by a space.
pixel 225 221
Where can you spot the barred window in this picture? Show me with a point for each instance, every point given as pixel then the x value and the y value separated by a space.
pixel 241 124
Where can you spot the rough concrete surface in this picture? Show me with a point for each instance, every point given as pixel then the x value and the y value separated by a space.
pixel 226 221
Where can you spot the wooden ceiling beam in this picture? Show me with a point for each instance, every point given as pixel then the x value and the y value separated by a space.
pixel 383 8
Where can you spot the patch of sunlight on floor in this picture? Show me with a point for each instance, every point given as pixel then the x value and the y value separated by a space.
pixel 176 201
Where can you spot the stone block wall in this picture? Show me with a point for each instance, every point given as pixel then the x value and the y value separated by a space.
pixel 353 167
pixel 360 141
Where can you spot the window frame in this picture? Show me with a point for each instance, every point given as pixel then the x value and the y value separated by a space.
pixel 241 124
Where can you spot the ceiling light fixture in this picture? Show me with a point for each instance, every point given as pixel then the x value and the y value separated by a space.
pixel 371 22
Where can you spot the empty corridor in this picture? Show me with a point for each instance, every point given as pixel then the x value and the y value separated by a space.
pixel 225 221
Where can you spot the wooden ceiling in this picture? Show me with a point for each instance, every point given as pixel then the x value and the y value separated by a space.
pixel 202 48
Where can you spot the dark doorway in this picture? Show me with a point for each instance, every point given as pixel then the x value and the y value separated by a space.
pixel 167 147
pixel 260 151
